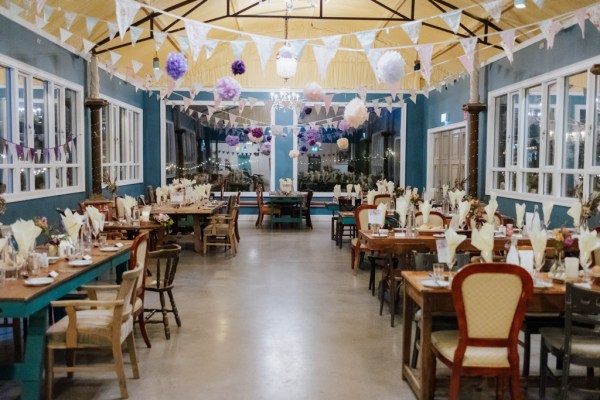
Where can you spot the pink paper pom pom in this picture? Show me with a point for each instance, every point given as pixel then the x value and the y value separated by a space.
pixel 313 92
pixel 227 88
pixel 356 113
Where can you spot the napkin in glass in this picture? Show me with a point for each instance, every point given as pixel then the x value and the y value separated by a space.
pixel 402 209
pixel 452 198
pixel 454 240
pixel 390 187
pixel 358 191
pixel 128 203
pixel 371 196
pixel 575 213
pixel 425 209
pixel 95 217
pixel 491 208
pixel 25 233
pixel 483 239
pixel 547 206
pixel 72 222
pixel 463 210
pixel 520 210
pixel 538 239
pixel 337 191
pixel 349 188
pixel 588 242
pixel 444 190
pixel 382 207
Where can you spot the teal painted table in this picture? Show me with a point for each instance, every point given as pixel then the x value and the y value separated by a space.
pixel 20 301
pixel 290 206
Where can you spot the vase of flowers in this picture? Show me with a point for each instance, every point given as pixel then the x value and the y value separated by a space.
pixel 562 239
pixel 589 206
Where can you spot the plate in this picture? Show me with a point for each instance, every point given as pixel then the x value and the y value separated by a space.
pixel 80 263
pixel 379 235
pixel 542 285
pixel 430 230
pixel 109 249
pixel 430 283
pixel 39 281
pixel 53 260
pixel 439 235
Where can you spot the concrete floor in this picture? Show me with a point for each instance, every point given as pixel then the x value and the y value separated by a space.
pixel 284 319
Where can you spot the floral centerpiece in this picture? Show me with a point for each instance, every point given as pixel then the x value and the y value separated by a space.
pixel 589 206
pixel 563 238
pixel 477 211
pixel 414 199
pixel 163 219
pixel 50 233
pixel 400 191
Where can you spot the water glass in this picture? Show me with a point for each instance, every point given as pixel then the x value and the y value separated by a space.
pixel 438 272
pixel 42 262
pixel 32 265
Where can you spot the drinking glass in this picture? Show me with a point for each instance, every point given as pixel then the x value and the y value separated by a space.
pixel 585 260
pixel 438 272
pixel 538 263
pixel 451 265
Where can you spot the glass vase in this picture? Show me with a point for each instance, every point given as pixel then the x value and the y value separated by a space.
pixel 558 268
pixel 583 224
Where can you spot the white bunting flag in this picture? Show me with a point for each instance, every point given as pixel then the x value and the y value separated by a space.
pixel 196 88
pixel 241 105
pixel 389 102
pixel 126 10
pixel 298 47
pixel 90 24
pixel 467 63
pixel 197 33
pixel 252 101
pixel 373 56
pixel 114 57
pixel 159 38
pixel 186 103
pixel 70 18
pixel 210 46
pixel 210 110
pixel 14 9
pixel 593 14
pixel 393 88
pixel 336 108
pixel 412 29
pixel 425 52
pixel 375 103
pixel 264 46
pixel 494 8
pixel 377 111
pixel 323 56
pixel 40 6
pixel 549 29
pixel 48 10
pixel 87 46
pixel 469 45
pixel 328 99
pixel 113 29
pixel 136 66
pixel 135 32
pixel 40 22
pixel 318 107
pixel 362 92
pixel 268 104
pixel 580 16
pixel 170 87
pixel 508 43
pixel 64 34
pixel 366 39
pixel 452 19
pixel 413 98
pixel 238 46
pixel 183 42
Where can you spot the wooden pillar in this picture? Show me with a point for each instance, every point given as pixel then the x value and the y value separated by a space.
pixel 179 160
pixel 473 147
pixel 95 104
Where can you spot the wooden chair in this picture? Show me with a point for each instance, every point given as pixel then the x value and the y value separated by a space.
pixel 436 219
pixel 221 231
pixel 139 259
pixel 263 208
pixel 577 343
pixel 164 266
pixel 383 198
pixel 498 220
pixel 490 301
pixel 104 206
pixel 361 217
pixel 95 324
pixel 306 208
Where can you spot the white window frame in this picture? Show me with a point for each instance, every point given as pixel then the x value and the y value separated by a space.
pixel 18 68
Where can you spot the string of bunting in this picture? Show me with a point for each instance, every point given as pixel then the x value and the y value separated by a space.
pixel 55 153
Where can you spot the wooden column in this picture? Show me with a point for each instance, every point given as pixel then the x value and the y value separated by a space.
pixel 473 147
pixel 95 104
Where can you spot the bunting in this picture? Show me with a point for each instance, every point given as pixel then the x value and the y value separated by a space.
pixel 494 8
pixel 64 34
pixel 197 33
pixel 40 6
pixel 238 46
pixel 125 10
pixel 452 19
pixel 580 16
pixel 90 24
pixel 323 56
pixel 113 29
pixel 264 45
pixel 549 29
pixel 328 99
pixel 508 43
pixel 135 33
pixel 210 46
pixel 412 29
pixel 69 18
pixel 159 38
pixel 425 52
pixel 467 63
pixel 48 10
pixel 136 66
pixel 114 57
pixel 593 13
pixel 183 42
pixel 40 22
pixel 87 46
pixel 366 39
pixel 373 56
pixel 298 47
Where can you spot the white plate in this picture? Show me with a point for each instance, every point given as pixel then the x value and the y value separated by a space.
pixel 380 235
pixel 53 260
pixel 542 285
pixel 433 284
pixel 39 281
pixel 80 263
pixel 109 249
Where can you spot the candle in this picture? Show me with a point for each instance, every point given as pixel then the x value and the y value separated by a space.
pixel 572 267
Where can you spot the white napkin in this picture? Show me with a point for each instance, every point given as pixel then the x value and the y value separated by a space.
pixel 415 191
pixel 547 206
pixel 95 216
pixel 588 242
pixel 159 194
pixel 371 196
pixel 452 198
pixel 454 240
pixel 3 242
pixel 349 188
pixel 483 239
pixel 463 210
pixel 575 213
pixel 520 209
pixel 425 208
pixel 402 209
pixel 129 202
pixel 390 187
pixel 25 233
pixel 491 208
pixel 358 191
pixel 72 222
pixel 444 190
pixel 538 239
pixel 207 189
pixel 381 185
pixel 526 257
pixel 382 207
pixel 337 191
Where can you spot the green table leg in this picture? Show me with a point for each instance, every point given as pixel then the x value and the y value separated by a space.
pixel 30 372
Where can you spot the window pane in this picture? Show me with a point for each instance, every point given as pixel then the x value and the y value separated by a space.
pixel 59 177
pixel 500 159
pixel 547 184
pixel 575 113
pixel 40 131
pixel 23 121
pixel 512 181
pixel 597 124
pixel 515 128
pixel 531 182
pixel 499 180
pixel 550 124
pixel 4 108
pixel 568 182
pixel 41 176
pixel 72 176
pixel 106 141
pixel 25 184
pixel 6 180
pixel 533 98
pixel 595 182
pixel 57 116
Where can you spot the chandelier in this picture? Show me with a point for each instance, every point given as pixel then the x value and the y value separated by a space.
pixel 284 99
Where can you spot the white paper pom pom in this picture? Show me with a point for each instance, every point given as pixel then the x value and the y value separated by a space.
pixel 343 143
pixel 356 113
pixel 390 67
pixel 294 153
pixel 313 92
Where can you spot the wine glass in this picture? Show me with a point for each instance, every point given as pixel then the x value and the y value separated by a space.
pixel 451 265
pixel 538 263
pixel 585 261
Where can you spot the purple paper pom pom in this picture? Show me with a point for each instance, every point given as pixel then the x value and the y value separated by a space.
pixel 232 140
pixel 228 88
pixel 257 132
pixel 238 67
pixel 176 65
pixel 307 111
pixel 269 138
pixel 300 135
pixel 313 136
pixel 312 142
pixel 303 149
pixel 267 146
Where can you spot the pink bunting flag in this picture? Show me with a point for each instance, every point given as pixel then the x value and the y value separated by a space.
pixel 593 14
pixel 196 33
pixel 328 99
pixel 508 43
pixel 393 88
pixel 217 100
pixel 210 110
pixel 467 63
pixel 318 108
pixel 549 29
pixel 425 52
pixel 186 102
pixel 241 105
pixel 170 87
pixel 580 16
pixel 125 10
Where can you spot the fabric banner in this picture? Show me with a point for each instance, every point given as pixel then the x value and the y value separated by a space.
pixel 48 10
pixel 412 29
pixel 159 38
pixel 126 10
pixel 232 119
pixel 425 52
pixel 469 44
pixel 373 56
pixel 264 46
pixel 196 33
pixel 508 43
pixel 366 39
pixel 318 107
pixel 467 63
pixel 328 98
pixel 90 24
pixel 393 88
pixel 389 102
pixel 40 6
pixel 252 101
pixel 210 46
pixel 336 108
pixel 452 19
pixel 136 65
pixel 69 18
pixel 183 42
pixel 362 92
pixel 494 8
pixel 87 46
pixel 135 32
pixel 323 56
pixel 238 46
pixel 186 102
pixel 549 29
pixel 593 13
pixel 40 22
pixel 210 110
pixel 298 47
pixel 114 57
pixel 64 34
pixel 413 97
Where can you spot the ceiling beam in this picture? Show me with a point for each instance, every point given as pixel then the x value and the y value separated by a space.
pixel 395 12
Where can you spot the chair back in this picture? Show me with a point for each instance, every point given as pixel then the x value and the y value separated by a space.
pixel 164 262
pixel 345 203
pixel 151 194
pixel 582 307
pixel 490 301
pixel 139 259
pixel 424 261
pixel 259 196
pixel 126 292
pixel 435 219
pixel 308 200
pixel 361 216
pixel 383 198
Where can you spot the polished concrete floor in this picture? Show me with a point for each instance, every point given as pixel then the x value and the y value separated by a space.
pixel 284 319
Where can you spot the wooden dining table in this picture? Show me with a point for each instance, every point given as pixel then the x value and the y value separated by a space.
pixel 155 229
pixel 290 206
pixel 17 300
pixel 198 212
pixel 439 300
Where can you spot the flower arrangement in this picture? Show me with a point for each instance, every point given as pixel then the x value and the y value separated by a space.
pixel 48 231
pixel 460 184
pixel 414 198
pixel 111 185
pixel 400 191
pixel 176 65
pixel 238 67
pixel 294 153
pixel 2 199
pixel 256 135
pixel 589 207
pixel 227 88
pixel 163 219
pixel 477 211
pixel 562 238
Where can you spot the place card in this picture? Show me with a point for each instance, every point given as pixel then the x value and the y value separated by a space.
pixel 87 257
pixel 53 274
pixel 119 244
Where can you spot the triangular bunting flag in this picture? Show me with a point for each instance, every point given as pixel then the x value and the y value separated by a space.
pixel 69 18
pixel 508 43
pixel 366 39
pixel 469 45
pixel 580 16
pixel 298 47
pixel 323 56
pixel 196 33
pixel 48 10
pixel 412 29
pixel 241 105
pixel 328 99
pixel 494 8
pixel 159 38
pixel 40 22
pixel 135 33
pixel 593 14
pixel 336 108
pixel 425 52
pixel 186 102
pixel 217 100
pixel 14 9
pixel 549 29
pixel 362 92
pixel 238 46
pixel 113 29
pixel 452 19
pixel 90 24
pixel 318 107
pixel 389 102
pixel 393 88
pixel 170 87
pixel 377 111
pixel 373 56
pixel 126 10
pixel 40 6
pixel 413 98
pixel 268 104
pixel 467 63
pixel 264 46
pixel 136 65
pixel 210 110
pixel 196 87
pixel 375 103
pixel 210 46
pixel 252 102
pixel 183 42
pixel 87 46
pixel 114 57
pixel 64 34
pixel 232 119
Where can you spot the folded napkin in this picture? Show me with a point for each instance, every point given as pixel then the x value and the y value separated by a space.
pixel 382 207
pixel 415 191
pixel 349 188
pixel 128 203
pixel 72 222
pixel 483 239
pixel 444 190
pixel 337 191
pixel 381 186
pixel 402 209
pixel 463 210
pixel 538 239
pixel 3 242
pixel 159 194
pixel 454 240
pixel 425 209
pixel 95 217
pixel 588 242
pixel 358 191
pixel 25 233
pixel 452 198
pixel 390 187
pixel 520 209
pixel 575 213
pixel 371 196
pixel 547 206
pixel 491 208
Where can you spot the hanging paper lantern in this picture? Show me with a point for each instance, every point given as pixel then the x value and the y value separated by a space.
pixel 356 113
pixel 390 67
pixel 227 88
pixel 176 65
pixel 294 153
pixel 286 62
pixel 238 67
pixel 344 125
pixel 313 92
pixel 343 143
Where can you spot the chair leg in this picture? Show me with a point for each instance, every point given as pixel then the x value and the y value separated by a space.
pixel 392 300
pixel 49 372
pixel 526 352
pixel 205 245
pixel 17 339
pixel 372 277
pixel 70 361
pixel 431 372
pixel 163 309
pixel 133 355
pixel 142 323
pixel 515 383
pixel 415 352
pixel 384 284
pixel 454 384
pixel 174 308
pixel 543 369
pixel 564 379
pixel 119 369
pixel 237 232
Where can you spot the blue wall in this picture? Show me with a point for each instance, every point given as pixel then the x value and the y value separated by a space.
pixel 416 143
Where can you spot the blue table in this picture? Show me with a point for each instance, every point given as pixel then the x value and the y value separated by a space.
pixel 290 206
pixel 20 301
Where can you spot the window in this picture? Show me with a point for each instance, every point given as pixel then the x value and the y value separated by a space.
pixel 41 123
pixel 551 114
pixel 122 142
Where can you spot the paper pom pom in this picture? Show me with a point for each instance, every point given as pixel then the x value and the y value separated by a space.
pixel 269 138
pixel 313 92
pixel 312 136
pixel 227 88
pixel 307 111
pixel 266 152
pixel 256 135
pixel 284 134
pixel 238 67
pixel 294 153
pixel 344 125
pixel 390 67
pixel 176 65
pixel 232 140
pixel 303 149
pixel 266 146
pixel 356 113
pixel 343 143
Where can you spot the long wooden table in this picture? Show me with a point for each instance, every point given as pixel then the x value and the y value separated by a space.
pixel 198 212
pixel 20 301
pixel 290 206
pixel 433 300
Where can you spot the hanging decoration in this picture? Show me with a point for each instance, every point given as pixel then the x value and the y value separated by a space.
pixel 227 88
pixel 343 143
pixel 390 67
pixel 176 65
pixel 232 140
pixel 238 67
pixel 356 113
pixel 343 125
pixel 312 136
pixel 508 43
pixel 313 92
pixel 256 135
pixel 286 62
pixel 294 153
